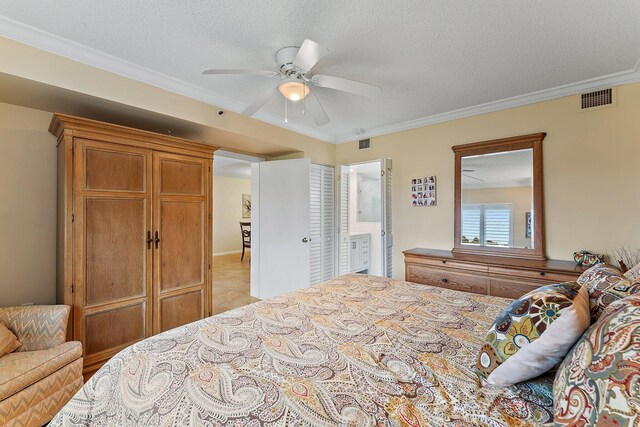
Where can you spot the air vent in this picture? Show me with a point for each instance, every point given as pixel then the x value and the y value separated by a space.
pixel 597 98
pixel 364 143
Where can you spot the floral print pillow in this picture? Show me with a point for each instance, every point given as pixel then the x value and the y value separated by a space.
pixel 533 334
pixel 606 284
pixel 597 384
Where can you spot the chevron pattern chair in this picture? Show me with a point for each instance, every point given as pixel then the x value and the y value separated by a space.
pixel 42 375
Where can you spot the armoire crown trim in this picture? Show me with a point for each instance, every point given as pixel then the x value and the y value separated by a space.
pixel 87 128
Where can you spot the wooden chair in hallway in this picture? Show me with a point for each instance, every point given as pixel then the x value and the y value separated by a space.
pixel 245 229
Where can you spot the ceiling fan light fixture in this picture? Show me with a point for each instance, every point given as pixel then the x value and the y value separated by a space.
pixel 293 90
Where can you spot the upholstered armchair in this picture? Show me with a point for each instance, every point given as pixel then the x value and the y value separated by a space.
pixel 41 375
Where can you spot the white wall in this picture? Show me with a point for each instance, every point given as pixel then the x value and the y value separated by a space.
pixel 27 207
pixel 227 212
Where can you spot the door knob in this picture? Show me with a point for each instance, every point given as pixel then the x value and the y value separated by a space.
pixel 305 240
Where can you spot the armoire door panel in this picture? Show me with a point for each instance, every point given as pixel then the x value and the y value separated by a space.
pixel 116 249
pixel 114 328
pixel 109 169
pixel 183 177
pixel 181 309
pixel 181 217
pixel 182 237
pixel 112 261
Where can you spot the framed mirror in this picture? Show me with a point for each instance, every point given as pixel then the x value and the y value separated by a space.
pixel 498 198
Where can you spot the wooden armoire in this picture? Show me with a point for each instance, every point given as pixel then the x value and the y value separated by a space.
pixel 134 233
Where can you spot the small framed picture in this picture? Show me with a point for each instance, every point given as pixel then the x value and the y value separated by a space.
pixel 423 191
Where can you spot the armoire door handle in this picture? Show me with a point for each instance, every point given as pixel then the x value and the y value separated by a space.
pixel 149 240
pixel 157 239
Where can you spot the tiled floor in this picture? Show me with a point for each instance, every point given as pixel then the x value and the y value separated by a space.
pixel 231 282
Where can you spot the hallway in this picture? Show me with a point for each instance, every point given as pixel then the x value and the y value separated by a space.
pixel 231 281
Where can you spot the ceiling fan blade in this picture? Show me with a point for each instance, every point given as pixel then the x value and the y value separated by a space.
pixel 345 85
pixel 260 101
pixel 315 110
pixel 473 177
pixel 309 54
pixel 241 71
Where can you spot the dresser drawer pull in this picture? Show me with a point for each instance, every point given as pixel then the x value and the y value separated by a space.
pixel 445 280
pixel 542 273
pixel 444 261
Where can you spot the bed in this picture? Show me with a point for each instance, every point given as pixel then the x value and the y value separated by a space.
pixel 357 350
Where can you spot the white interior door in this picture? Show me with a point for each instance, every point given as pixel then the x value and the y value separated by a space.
pixel 280 228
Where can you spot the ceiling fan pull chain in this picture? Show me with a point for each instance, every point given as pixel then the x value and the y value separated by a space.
pixel 286 115
pixel 304 103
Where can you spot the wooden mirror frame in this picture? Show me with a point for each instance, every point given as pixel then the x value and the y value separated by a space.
pixel 533 141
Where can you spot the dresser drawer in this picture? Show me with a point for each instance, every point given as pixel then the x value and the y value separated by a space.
pixel 446 264
pixel 546 276
pixel 446 278
pixel 507 288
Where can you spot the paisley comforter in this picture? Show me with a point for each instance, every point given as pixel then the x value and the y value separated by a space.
pixel 353 351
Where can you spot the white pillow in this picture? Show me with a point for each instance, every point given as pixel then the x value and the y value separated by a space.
pixel 534 334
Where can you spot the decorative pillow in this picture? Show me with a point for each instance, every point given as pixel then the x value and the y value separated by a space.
pixel 533 334
pixel 605 284
pixel 587 258
pixel 597 384
pixel 8 341
pixel 633 274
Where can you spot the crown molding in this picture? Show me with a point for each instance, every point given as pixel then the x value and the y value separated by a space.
pixel 52 43
pixel 615 79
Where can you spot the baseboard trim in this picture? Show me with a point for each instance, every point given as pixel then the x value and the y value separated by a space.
pixel 229 253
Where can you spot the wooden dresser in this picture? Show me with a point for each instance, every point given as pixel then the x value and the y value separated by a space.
pixel 491 275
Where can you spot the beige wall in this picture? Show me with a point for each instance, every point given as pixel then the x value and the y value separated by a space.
pixel 518 197
pixel 227 212
pixel 28 62
pixel 27 207
pixel 591 173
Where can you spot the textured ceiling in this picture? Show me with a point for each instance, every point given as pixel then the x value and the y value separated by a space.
pixel 429 57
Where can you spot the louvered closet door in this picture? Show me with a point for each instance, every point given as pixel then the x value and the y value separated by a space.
pixel 322 223
pixel 181 264
pixel 387 218
pixel 112 262
pixel 344 237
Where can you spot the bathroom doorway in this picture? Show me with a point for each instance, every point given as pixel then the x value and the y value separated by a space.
pixel 365 229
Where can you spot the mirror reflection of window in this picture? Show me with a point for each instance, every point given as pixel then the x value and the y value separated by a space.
pixel 487 225
pixel 497 199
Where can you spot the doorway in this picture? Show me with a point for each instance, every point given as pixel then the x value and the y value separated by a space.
pixel 231 268
pixel 365 231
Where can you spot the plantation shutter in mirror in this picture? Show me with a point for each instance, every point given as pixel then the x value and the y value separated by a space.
pixel 497 225
pixel 471 224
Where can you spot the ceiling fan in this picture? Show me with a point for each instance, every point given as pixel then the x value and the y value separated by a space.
pixel 469 176
pixel 295 82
